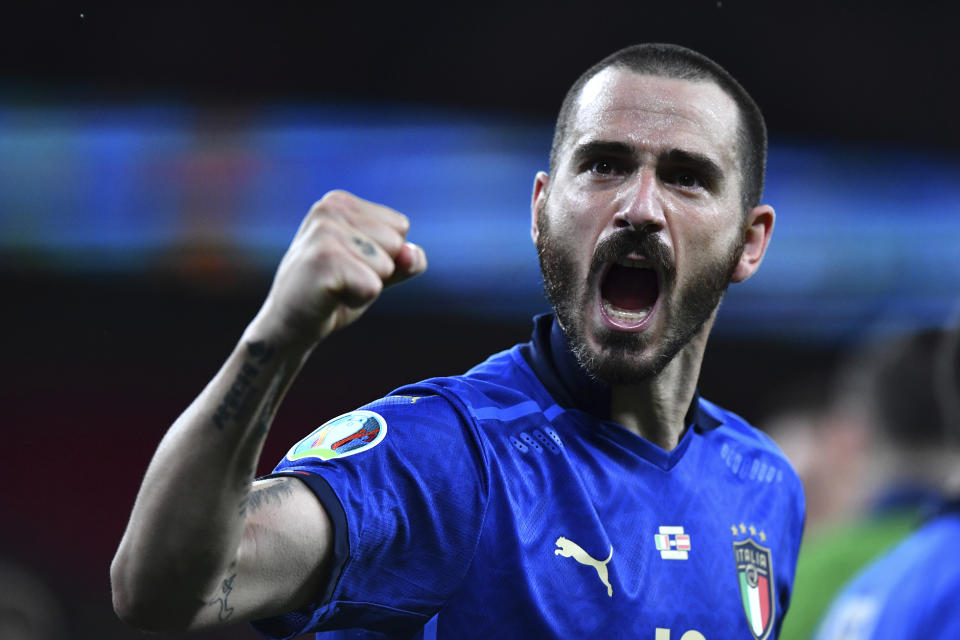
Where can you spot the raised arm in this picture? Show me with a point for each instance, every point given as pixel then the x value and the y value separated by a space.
pixel 205 544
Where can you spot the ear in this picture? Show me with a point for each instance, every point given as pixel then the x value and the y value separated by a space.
pixel 540 182
pixel 756 237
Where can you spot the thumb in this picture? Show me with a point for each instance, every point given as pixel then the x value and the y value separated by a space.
pixel 410 261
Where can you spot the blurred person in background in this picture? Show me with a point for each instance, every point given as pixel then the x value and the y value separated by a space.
pixel 875 453
pixel 913 591
pixel 29 608
pixel 573 486
pixel 826 446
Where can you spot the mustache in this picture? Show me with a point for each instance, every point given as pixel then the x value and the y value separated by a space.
pixel 629 241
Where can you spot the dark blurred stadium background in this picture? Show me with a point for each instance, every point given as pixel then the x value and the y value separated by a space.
pixel 156 158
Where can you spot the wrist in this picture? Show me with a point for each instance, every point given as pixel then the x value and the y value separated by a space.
pixel 268 329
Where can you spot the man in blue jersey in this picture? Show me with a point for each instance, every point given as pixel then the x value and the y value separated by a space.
pixel 573 486
pixel 912 591
pixel 909 593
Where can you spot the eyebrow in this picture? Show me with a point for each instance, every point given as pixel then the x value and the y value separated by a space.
pixel 595 148
pixel 704 165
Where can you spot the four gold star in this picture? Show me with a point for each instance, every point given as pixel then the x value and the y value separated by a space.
pixel 753 531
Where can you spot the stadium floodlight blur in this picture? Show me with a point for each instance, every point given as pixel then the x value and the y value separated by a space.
pixel 862 233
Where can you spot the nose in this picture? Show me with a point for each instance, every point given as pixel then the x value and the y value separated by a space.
pixel 642 206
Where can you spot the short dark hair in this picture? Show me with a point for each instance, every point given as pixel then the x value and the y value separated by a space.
pixel 674 61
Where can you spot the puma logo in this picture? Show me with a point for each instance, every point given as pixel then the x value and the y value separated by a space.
pixel 570 549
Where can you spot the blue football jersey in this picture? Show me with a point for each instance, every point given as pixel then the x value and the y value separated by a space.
pixel 504 503
pixel 912 592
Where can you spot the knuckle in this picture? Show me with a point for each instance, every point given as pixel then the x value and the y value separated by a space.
pixel 324 232
pixel 336 200
pixel 386 268
pixel 338 196
pixel 364 290
pixel 325 226
pixel 373 287
pixel 390 244
pixel 326 253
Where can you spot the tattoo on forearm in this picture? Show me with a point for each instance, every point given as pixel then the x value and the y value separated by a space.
pixel 225 588
pixel 273 494
pixel 366 247
pixel 243 389
pixel 238 395
pixel 260 351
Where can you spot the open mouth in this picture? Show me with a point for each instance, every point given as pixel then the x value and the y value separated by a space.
pixel 628 293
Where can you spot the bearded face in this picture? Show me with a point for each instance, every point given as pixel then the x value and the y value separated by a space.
pixel 688 299
pixel 641 227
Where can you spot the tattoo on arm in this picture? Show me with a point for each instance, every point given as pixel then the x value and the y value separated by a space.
pixel 366 247
pixel 260 351
pixel 244 389
pixel 273 494
pixel 225 588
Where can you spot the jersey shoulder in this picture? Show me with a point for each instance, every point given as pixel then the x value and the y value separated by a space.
pixel 737 428
pixel 750 452
pixel 501 386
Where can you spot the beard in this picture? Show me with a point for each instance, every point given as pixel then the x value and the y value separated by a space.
pixel 614 362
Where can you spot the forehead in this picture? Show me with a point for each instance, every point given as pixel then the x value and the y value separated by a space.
pixel 654 113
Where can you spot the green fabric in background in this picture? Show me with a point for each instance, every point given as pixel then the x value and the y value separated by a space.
pixel 829 559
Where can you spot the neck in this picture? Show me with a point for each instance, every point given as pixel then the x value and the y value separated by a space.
pixel 655 409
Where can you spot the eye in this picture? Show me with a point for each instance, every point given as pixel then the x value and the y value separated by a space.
pixel 604 167
pixel 685 178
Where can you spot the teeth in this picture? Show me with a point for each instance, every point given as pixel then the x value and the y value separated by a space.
pixel 623 314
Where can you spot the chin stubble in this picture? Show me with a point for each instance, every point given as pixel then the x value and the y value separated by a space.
pixel 570 298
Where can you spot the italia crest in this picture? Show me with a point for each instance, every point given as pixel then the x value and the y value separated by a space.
pixel 754 564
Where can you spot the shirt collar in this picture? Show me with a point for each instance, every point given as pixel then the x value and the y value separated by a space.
pixel 548 354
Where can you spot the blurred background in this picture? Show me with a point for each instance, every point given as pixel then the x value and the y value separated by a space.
pixel 156 159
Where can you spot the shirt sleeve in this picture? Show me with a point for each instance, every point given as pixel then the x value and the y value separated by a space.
pixel 403 482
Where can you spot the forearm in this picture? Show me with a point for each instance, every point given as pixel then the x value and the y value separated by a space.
pixel 189 517
pixel 200 548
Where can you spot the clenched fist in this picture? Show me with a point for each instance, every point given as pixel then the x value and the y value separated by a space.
pixel 346 251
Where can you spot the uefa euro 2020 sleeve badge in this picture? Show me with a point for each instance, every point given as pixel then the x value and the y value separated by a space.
pixel 754 565
pixel 343 436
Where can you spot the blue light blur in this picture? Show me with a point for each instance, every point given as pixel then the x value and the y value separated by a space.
pixel 864 237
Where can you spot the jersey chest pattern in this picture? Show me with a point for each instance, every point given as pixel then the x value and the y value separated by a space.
pixel 522 518
pixel 586 536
